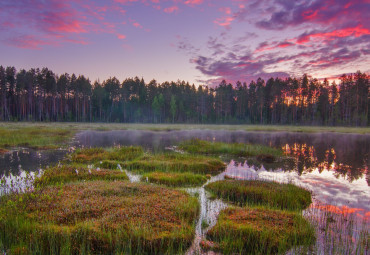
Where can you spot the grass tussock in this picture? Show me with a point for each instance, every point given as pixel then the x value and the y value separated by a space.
pixel 259 230
pixel 175 179
pixel 256 192
pixel 197 146
pixel 175 162
pixel 98 217
pixel 38 137
pixel 93 155
pixel 77 172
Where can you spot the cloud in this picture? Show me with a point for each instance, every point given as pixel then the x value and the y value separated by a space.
pixel 28 42
pixel 121 36
pixel 291 13
pixel 193 2
pixel 171 9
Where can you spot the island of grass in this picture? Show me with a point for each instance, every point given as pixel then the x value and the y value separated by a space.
pixel 77 172
pixel 263 153
pixel 109 156
pixel 37 137
pixel 259 230
pixel 256 192
pixel 176 162
pixel 175 179
pixel 98 217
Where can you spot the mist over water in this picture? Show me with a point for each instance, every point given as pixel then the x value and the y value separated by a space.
pixel 334 166
pixel 348 154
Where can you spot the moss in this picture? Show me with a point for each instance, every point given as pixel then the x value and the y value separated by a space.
pixel 255 192
pixel 93 155
pixel 175 179
pixel 260 231
pixel 175 162
pixel 99 217
pixel 77 172
pixel 234 149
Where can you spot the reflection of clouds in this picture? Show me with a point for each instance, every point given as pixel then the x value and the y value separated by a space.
pixel 324 185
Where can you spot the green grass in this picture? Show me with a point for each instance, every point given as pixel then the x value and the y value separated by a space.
pixel 110 156
pixel 255 192
pixel 77 172
pixel 98 217
pixel 197 146
pixel 175 179
pixel 175 162
pixel 259 230
pixel 38 137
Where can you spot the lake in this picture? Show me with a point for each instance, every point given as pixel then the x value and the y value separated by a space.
pixel 334 166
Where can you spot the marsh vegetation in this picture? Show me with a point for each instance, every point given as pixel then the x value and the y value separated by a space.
pixel 95 209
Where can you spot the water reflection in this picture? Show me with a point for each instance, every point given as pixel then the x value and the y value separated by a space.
pixel 326 186
pixel 28 160
pixel 346 155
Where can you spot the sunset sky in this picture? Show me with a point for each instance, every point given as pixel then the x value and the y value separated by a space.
pixel 200 41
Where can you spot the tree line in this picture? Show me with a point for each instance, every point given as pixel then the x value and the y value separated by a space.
pixel 41 95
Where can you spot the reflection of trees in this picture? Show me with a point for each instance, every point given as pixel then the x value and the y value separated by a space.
pixel 308 160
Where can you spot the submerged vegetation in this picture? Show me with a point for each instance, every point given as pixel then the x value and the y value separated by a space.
pixel 98 217
pixel 255 192
pixel 259 230
pixel 175 179
pixel 197 146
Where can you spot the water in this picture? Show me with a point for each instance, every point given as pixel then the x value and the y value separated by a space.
pixel 335 167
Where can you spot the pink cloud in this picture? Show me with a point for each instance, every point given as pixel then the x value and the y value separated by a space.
pixel 346 32
pixel 136 24
pixel 171 9
pixel 124 1
pixel 193 2
pixel 28 42
pixel 224 21
pixel 120 36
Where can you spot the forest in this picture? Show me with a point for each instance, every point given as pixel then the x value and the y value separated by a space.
pixel 42 95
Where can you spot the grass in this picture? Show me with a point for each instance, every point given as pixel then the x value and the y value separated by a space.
pixel 197 146
pixel 38 137
pixel 255 192
pixel 109 156
pixel 175 162
pixel 52 135
pixel 175 179
pixel 259 230
pixel 98 217
pixel 77 172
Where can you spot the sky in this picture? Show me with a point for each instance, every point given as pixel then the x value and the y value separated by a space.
pixel 199 41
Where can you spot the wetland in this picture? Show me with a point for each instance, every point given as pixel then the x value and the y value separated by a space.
pixel 192 177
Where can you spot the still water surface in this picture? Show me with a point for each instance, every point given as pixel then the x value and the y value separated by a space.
pixel 335 167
